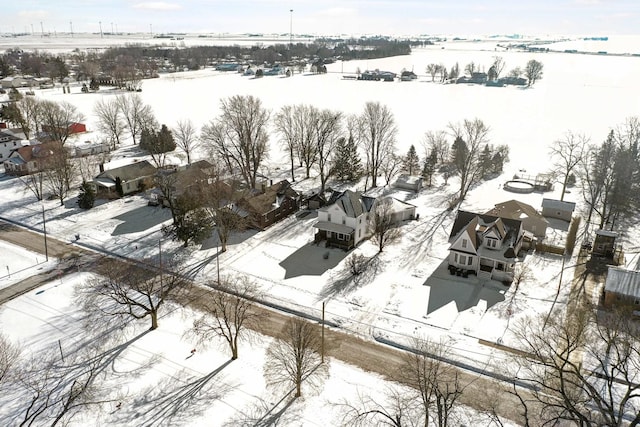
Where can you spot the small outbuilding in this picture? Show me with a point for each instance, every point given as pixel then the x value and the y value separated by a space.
pixel 558 209
pixel 622 288
pixel 604 244
pixel 409 182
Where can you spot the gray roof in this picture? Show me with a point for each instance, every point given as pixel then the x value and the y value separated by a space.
pixel 354 204
pixel 129 172
pixel 558 205
pixel 623 282
pixel 333 227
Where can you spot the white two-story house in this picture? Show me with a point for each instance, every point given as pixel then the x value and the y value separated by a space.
pixel 344 222
pixel 485 245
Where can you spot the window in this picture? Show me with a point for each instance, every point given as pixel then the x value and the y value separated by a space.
pixel 14 143
pixel 500 266
pixel 464 243
pixel 359 233
pixel 491 243
pixel 328 234
pixel 360 220
pixel 469 260
pixel 455 257
pixel 329 217
pixel 463 260
pixel 344 220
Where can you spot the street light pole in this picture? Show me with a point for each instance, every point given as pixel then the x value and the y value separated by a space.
pixel 44 229
pixel 290 28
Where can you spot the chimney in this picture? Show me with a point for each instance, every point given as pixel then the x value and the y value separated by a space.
pixel 101 167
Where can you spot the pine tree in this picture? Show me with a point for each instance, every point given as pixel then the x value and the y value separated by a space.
pixel 429 167
pixel 347 165
pixel 486 164
pixel 411 162
pixel 87 196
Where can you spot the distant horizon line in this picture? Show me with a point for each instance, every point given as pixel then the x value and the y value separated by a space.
pixel 257 35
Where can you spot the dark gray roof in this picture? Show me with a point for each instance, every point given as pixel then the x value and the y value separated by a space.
pixel 558 205
pixel 464 218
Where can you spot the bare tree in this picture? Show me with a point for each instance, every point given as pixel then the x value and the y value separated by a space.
pixel 436 141
pixel 567 154
pixel 239 135
pixel 56 119
pixel 185 136
pixel 516 72
pixel 432 70
pixel 284 123
pixel 29 115
pixel 110 120
pixel 498 66
pixel 54 391
pixel 382 225
pixel 307 149
pixel 391 165
pixel 294 357
pixel 470 138
pixel 377 135
pixel 327 127
pixel 470 68
pixel 34 182
pixel 434 383
pixel 228 314
pixel 136 114
pixel 533 71
pixel 59 172
pixel 9 356
pixel 124 290
pixel 365 411
pixel 602 391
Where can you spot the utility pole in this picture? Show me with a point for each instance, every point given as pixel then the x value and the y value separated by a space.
pixel 112 28
pixel 44 229
pixel 71 28
pixel 41 29
pixel 322 340
pixel 218 261
pixel 101 35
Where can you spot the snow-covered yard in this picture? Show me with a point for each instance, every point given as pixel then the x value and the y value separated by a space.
pixel 407 290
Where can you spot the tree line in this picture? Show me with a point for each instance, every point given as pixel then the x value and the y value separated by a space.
pixel 532 71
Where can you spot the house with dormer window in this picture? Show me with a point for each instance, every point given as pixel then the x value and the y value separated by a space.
pixel 344 221
pixel 485 245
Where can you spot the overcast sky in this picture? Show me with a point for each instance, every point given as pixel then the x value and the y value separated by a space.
pixel 481 17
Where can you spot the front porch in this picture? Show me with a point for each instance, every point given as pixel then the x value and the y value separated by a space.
pixel 491 269
pixel 335 235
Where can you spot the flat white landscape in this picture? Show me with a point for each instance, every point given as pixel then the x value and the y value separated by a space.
pixel 411 293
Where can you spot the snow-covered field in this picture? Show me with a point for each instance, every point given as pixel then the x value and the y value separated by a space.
pixel 411 292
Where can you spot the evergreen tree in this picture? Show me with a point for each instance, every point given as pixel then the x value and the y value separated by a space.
pixel 429 167
pixel 411 162
pixel 347 165
pixel 87 196
pixel 486 164
pixel 166 142
pixel 119 186
pixel 459 152
pixel 94 86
